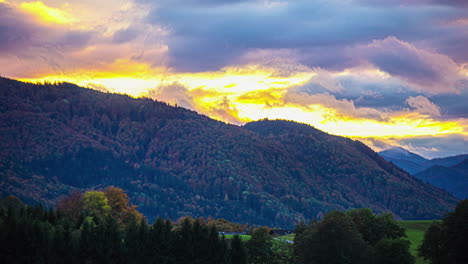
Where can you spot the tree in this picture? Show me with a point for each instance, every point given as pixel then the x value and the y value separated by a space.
pixel 433 247
pixel 447 242
pixel 121 208
pixel 88 240
pixel 72 205
pixel 112 239
pixel 237 252
pixel 184 243
pixel 335 239
pixel 373 227
pixel 260 247
pixel 393 251
pixel 283 252
pixel 456 225
pixel 95 204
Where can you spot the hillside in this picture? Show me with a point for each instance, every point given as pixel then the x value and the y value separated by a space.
pixel 175 162
pixel 453 179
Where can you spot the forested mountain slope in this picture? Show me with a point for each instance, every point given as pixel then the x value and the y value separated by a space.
pixel 453 179
pixel 175 162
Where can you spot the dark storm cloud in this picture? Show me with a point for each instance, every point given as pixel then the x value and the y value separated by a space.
pixel 429 71
pixel 228 29
pixel 453 105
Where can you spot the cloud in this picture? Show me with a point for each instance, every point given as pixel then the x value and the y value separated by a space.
pixel 427 146
pixel 424 70
pixel 212 34
pixel 344 108
pixel 453 105
pixel 173 94
pixel 436 146
pixel 354 68
pixel 422 105
pixel 125 35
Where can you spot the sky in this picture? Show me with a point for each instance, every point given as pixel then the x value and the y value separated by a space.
pixel 386 72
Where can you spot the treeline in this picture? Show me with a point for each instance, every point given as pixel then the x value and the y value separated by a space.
pixel 357 236
pixel 446 241
pixel 103 227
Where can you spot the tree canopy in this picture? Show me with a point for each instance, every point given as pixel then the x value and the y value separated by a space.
pixel 447 241
pixel 357 236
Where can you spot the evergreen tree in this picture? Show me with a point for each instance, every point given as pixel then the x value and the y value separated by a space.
pixel 112 241
pixel 334 240
pixel 448 242
pixel 237 252
pixel 433 247
pixel 184 243
pixel 393 251
pixel 131 241
pixel 260 247
pixel 88 241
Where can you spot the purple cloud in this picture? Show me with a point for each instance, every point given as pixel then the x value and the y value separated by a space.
pixel 429 71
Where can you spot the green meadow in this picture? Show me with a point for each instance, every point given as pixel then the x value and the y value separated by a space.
pixel 243 237
pixel 415 232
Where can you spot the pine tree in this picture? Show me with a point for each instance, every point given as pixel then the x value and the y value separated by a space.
pixel 237 252
pixel 260 247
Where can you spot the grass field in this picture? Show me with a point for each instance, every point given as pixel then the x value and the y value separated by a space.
pixel 244 237
pixel 287 237
pixel 415 232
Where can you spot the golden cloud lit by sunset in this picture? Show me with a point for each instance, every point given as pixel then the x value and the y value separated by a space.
pixel 45 13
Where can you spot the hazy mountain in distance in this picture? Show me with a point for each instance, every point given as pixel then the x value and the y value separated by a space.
pixel 414 163
pixel 404 159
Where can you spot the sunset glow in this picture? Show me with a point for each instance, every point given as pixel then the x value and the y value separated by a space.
pixel 244 61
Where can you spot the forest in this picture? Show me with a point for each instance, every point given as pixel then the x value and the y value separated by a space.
pixel 102 226
pixel 173 162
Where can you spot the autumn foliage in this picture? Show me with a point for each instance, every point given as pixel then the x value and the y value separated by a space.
pixel 111 201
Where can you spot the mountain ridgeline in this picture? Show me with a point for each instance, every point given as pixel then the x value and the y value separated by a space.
pixel 57 138
pixel 449 173
pixel 413 163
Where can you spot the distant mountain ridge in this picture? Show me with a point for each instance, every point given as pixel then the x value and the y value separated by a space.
pixel 404 159
pixel 453 179
pixel 449 173
pixel 414 163
pixel 56 138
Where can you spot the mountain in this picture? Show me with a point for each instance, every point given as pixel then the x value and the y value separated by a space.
pixel 453 179
pixel 448 161
pixel 56 138
pixel 404 159
pixel 402 154
pixel 413 163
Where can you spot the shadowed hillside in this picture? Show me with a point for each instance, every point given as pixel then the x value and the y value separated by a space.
pixel 453 179
pixel 175 162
